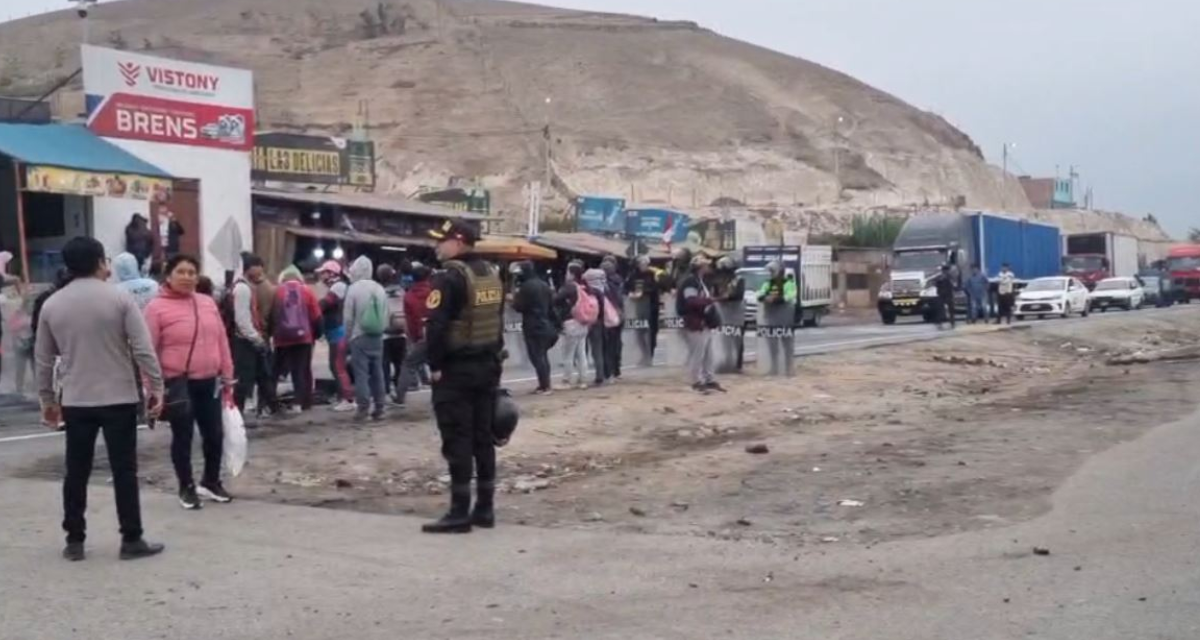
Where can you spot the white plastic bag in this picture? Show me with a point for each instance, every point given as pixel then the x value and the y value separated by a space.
pixel 234 449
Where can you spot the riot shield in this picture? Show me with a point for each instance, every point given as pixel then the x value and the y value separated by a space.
pixel 729 338
pixel 636 335
pixel 776 338
pixel 514 339
pixel 671 341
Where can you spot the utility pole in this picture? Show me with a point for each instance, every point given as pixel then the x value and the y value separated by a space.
pixel 1004 177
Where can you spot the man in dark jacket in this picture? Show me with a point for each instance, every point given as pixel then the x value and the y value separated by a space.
pixel 415 313
pixel 695 306
pixel 645 287
pixel 612 335
pixel 945 286
pixel 534 300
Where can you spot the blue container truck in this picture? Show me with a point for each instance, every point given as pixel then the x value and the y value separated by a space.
pixel 961 240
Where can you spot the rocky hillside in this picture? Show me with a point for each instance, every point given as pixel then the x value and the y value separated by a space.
pixel 462 89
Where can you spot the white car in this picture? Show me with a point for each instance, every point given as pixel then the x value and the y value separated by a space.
pixel 1060 296
pixel 1126 293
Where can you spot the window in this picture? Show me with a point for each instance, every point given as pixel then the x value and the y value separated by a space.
pixel 44 215
pixel 857 281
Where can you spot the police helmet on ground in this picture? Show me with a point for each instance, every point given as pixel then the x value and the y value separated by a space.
pixel 505 417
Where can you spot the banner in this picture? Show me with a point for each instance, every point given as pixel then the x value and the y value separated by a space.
pixel 288 157
pixel 87 183
pixel 141 97
pixel 655 223
pixel 600 214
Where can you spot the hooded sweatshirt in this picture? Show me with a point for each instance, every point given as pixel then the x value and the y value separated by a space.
pixel 534 301
pixel 171 319
pixel 415 309
pixel 363 292
pixel 129 278
pixel 291 280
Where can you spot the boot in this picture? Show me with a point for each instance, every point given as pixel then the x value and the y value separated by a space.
pixel 458 519
pixel 138 549
pixel 484 515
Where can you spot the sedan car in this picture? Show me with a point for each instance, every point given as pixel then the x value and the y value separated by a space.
pixel 1060 296
pixel 1124 293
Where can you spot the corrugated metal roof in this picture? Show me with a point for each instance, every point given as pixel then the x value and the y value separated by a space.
pixel 365 238
pixel 371 201
pixel 71 147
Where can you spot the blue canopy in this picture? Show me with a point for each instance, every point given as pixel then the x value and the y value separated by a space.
pixel 71 147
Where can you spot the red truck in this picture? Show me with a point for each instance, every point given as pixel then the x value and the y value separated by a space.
pixel 1183 263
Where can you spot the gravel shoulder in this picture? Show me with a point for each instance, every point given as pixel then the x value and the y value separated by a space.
pixel 913 441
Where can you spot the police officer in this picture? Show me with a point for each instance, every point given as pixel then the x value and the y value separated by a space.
pixel 465 338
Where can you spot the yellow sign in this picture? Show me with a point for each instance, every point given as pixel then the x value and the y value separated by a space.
pixel 435 299
pixel 88 183
pixel 305 162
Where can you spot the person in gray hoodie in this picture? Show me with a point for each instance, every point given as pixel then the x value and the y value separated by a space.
pixel 130 278
pixel 366 319
pixel 597 283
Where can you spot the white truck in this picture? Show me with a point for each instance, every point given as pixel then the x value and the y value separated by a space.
pixel 1092 257
pixel 814 290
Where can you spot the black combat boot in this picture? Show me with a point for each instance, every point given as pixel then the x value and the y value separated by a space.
pixel 484 515
pixel 458 519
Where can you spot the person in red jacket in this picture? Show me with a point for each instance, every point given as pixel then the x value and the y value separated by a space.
pixel 296 318
pixel 415 312
pixel 695 305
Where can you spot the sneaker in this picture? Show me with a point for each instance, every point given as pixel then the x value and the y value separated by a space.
pixel 361 417
pixel 715 386
pixel 345 406
pixel 215 492
pixel 74 552
pixel 294 410
pixel 140 549
pixel 543 392
pixel 188 498
pixel 378 414
pixel 701 389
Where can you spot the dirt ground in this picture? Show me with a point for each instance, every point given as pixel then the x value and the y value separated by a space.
pixel 922 440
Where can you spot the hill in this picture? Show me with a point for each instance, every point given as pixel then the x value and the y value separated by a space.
pixel 457 90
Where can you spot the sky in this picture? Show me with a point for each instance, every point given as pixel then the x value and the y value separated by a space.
pixel 1109 86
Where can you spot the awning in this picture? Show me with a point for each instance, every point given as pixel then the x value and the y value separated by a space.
pixel 71 146
pixel 368 201
pixel 343 236
pixel 513 248
pixel 593 245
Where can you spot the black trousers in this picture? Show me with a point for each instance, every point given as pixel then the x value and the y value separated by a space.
pixel 464 402
pixel 252 368
pixel 84 424
pixel 539 356
pixel 394 350
pixel 1006 308
pixel 613 346
pixel 946 312
pixel 205 416
pixel 296 361
pixel 596 339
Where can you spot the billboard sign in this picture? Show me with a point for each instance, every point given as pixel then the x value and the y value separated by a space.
pixel 288 157
pixel 90 183
pixel 600 214
pixel 655 224
pixel 139 97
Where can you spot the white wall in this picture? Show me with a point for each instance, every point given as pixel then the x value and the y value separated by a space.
pixel 110 216
pixel 224 198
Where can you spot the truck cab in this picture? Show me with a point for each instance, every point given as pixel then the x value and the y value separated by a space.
pixel 1183 263
pixel 925 244
pixel 1088 268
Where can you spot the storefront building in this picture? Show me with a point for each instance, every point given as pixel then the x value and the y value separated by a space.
pixel 195 121
pixel 52 179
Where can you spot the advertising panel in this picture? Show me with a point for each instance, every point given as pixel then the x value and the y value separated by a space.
pixel 139 97
pixel 606 215
pixel 655 223
pixel 288 157
pixel 88 183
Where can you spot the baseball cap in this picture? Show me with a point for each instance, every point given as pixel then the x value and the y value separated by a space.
pixel 455 229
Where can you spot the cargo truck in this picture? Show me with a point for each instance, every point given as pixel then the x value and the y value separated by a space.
pixel 1183 263
pixel 961 240
pixel 1092 257
pixel 814 263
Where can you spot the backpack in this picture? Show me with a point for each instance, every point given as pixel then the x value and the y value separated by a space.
pixel 612 317
pixel 374 319
pixel 396 324
pixel 292 323
pixel 586 310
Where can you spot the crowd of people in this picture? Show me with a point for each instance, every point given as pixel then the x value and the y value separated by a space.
pixel 984 302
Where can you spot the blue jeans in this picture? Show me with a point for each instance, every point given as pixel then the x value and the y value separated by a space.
pixel 978 308
pixel 366 359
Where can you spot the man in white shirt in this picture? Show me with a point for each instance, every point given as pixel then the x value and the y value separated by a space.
pixel 1007 294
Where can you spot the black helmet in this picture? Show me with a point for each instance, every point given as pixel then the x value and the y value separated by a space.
pixel 504 418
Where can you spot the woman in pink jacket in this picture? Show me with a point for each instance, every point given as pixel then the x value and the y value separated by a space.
pixel 189 336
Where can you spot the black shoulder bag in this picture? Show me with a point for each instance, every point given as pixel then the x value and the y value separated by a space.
pixel 177 402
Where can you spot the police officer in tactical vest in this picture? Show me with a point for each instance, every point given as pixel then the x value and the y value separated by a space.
pixel 465 338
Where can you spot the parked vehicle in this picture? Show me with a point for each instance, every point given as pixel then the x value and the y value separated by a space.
pixel 1183 263
pixel 926 242
pixel 1060 296
pixel 1123 293
pixel 814 263
pixel 1157 286
pixel 1092 257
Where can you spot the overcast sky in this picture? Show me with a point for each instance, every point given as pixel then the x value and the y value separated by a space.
pixel 1110 86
